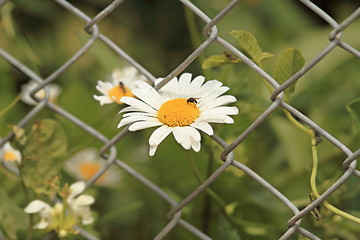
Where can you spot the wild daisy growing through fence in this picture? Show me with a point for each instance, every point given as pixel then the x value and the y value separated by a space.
pixel 10 154
pixel 86 163
pixel 121 85
pixel 54 91
pixel 181 107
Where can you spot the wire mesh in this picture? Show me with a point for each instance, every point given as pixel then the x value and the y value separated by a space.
pixel 210 31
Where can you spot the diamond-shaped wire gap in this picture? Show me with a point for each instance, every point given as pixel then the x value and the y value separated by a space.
pixel 101 15
pixel 74 58
pixel 343 25
pixel 143 31
pixel 89 28
pixel 272 190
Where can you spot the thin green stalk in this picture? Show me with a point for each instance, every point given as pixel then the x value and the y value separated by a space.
pixel 315 160
pixel 215 197
pixel 7 108
pixel 314 188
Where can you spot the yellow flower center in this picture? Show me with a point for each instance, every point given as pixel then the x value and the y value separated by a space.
pixel 178 112
pixel 89 169
pixel 9 156
pixel 118 92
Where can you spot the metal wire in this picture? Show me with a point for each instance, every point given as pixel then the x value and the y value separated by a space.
pixel 275 102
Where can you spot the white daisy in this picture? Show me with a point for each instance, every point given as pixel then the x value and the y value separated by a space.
pixel 181 107
pixel 28 87
pixel 121 85
pixel 86 163
pixel 9 154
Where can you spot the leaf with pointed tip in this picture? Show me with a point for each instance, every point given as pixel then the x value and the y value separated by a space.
pixel 289 63
pixel 249 44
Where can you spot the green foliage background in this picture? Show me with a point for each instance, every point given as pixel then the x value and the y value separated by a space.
pixel 160 34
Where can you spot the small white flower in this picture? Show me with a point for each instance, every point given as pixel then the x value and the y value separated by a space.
pixel 9 154
pixel 45 211
pixel 86 163
pixel 54 91
pixel 121 85
pixel 181 107
pixel 80 205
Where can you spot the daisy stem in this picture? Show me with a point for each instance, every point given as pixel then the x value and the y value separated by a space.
pixel 315 160
pixel 208 190
pixel 212 194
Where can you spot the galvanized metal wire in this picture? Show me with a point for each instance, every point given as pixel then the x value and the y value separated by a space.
pixel 109 152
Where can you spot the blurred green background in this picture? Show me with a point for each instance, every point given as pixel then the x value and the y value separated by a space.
pixel 157 34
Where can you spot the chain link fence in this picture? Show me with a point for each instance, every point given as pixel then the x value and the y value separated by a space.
pixel 109 151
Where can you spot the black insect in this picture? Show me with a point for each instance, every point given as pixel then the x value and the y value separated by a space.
pixel 192 100
pixel 229 56
pixel 122 87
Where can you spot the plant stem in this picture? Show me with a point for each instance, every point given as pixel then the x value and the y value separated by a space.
pixel 315 161
pixel 314 188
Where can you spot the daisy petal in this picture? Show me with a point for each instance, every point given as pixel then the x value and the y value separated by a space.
pixel 193 133
pixel 131 119
pixel 221 111
pixel 102 99
pixel 143 124
pixel 184 81
pixel 195 145
pixel 138 114
pixel 128 109
pixel 222 100
pixel 138 104
pixel 197 82
pixel 148 94
pixel 152 150
pixel 203 126
pixel 159 135
pixel 181 136
pixel 210 86
pixel 216 119
pixel 214 94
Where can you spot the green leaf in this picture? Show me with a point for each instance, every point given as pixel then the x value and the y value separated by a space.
pixel 265 55
pixel 44 153
pixel 12 217
pixel 353 108
pixel 290 62
pixel 218 60
pixel 250 45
